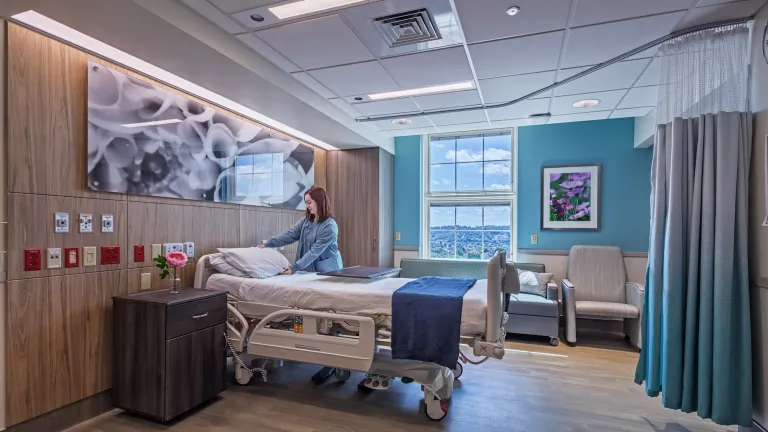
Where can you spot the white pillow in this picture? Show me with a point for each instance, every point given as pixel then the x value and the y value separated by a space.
pixel 256 262
pixel 222 266
pixel 534 283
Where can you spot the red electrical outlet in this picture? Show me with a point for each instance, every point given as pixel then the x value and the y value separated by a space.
pixel 110 255
pixel 138 253
pixel 71 257
pixel 33 260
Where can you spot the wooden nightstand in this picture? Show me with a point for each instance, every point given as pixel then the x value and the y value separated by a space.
pixel 169 351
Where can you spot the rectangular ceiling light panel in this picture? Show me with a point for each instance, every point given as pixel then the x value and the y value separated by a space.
pixel 465 85
pixel 305 7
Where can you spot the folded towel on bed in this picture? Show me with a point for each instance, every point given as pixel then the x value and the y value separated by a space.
pixel 426 319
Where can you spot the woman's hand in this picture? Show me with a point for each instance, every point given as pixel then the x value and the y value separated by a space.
pixel 287 271
pixel 261 246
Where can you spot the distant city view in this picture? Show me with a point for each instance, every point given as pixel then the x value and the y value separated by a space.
pixel 480 231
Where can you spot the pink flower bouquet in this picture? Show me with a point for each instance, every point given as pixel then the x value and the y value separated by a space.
pixel 172 260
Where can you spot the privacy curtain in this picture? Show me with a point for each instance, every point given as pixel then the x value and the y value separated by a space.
pixel 696 348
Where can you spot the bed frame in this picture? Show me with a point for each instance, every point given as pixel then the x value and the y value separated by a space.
pixel 253 333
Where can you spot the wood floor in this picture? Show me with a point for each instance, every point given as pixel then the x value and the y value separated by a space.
pixel 535 388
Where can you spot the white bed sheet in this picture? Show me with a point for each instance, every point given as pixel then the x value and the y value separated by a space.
pixel 341 295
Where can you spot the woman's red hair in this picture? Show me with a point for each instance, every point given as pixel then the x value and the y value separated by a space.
pixel 324 210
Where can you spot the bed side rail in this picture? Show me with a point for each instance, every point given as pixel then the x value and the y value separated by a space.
pixel 203 271
pixel 493 343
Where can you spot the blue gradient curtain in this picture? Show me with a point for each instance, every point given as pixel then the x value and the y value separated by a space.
pixel 696 350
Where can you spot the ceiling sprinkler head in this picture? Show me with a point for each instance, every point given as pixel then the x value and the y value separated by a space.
pixel 512 11
pixel 402 122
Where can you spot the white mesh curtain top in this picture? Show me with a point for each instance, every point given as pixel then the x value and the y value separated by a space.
pixel 705 72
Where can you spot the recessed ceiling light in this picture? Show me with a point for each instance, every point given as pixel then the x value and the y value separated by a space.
pixel 424 90
pixel 402 122
pixel 257 17
pixel 304 7
pixel 513 10
pixel 586 103
pixel 152 123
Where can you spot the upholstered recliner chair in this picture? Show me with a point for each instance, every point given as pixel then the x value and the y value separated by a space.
pixel 596 287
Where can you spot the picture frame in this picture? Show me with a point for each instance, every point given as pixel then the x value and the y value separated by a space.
pixel 570 197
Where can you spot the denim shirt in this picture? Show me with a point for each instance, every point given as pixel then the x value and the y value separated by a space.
pixel 318 249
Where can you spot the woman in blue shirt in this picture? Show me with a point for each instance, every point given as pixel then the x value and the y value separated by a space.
pixel 317 234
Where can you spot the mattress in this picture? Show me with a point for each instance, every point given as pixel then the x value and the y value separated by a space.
pixel 341 295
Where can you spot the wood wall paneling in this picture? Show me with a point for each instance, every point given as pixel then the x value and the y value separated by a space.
pixel 386 216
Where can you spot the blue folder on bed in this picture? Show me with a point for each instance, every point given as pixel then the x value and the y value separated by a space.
pixel 426 319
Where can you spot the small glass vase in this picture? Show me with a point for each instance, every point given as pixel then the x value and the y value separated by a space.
pixel 174 283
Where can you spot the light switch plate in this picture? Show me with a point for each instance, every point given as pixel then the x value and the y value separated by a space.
pixel 146 281
pixel 172 247
pixel 62 222
pixel 89 256
pixel 107 223
pixel 86 223
pixel 397 236
pixel 157 249
pixel 189 249
pixel 534 239
pixel 53 258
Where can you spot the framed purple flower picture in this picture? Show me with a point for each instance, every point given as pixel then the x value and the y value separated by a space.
pixel 570 197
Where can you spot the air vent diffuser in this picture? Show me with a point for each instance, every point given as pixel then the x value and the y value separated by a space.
pixel 407 28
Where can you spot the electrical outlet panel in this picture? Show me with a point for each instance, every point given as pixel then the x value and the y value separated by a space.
pixel 534 239
pixel 110 255
pixel 71 257
pixel 107 223
pixel 89 256
pixel 157 249
pixel 138 253
pixel 53 258
pixel 32 260
pixel 86 223
pixel 62 222
pixel 397 236
pixel 189 249
pixel 146 281
pixel 172 247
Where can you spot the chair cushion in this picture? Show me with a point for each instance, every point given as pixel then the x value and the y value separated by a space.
pixel 606 310
pixel 533 282
pixel 531 304
pixel 598 273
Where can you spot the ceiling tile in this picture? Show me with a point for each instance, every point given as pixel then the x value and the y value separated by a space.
pixel 468 127
pixel 617 76
pixel 509 88
pixel 608 101
pixel 448 100
pixel 631 112
pixel 216 16
pixel 596 44
pixel 650 52
pixel 652 75
pixel 316 43
pixel 519 110
pixel 347 108
pixel 427 68
pixel 416 122
pixel 313 84
pixel 486 20
pixel 599 11
pixel 265 50
pixel 394 106
pixel 517 56
pixel 587 116
pixel 418 131
pixel 721 12
pixel 641 97
pixel 230 6
pixel 474 116
pixel 356 79
pixel 509 123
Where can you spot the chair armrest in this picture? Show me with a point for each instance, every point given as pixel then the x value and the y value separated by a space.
pixel 635 294
pixel 552 291
pixel 569 310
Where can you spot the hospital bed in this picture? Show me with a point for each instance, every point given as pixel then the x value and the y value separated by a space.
pixel 345 324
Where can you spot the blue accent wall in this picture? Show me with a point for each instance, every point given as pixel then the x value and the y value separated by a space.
pixel 625 182
pixel 408 190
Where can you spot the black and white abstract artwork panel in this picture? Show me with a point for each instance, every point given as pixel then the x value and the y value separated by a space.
pixel 145 140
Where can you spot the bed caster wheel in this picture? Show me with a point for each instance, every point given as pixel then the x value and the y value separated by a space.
pixel 342 375
pixel 458 371
pixel 242 376
pixel 436 408
pixel 554 341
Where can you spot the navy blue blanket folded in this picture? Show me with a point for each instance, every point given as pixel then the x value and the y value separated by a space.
pixel 426 319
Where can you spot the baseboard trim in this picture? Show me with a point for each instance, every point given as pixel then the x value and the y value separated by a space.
pixel 67 416
pixel 758 426
pixel 564 252
pixel 407 248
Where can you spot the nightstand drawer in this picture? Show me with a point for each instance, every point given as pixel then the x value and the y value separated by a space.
pixel 195 315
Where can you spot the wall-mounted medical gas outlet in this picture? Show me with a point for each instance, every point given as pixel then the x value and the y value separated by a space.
pixel 62 222
pixel 107 223
pixel 189 249
pixel 138 253
pixel 110 255
pixel 32 260
pixel 157 249
pixel 172 247
pixel 86 223
pixel 89 256
pixel 53 258
pixel 71 257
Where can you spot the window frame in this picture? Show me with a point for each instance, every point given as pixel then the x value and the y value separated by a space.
pixel 484 197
